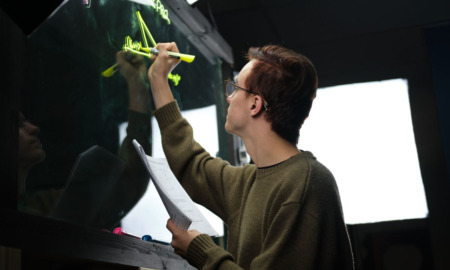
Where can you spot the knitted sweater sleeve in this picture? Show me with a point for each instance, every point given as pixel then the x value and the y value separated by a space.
pixel 134 179
pixel 201 175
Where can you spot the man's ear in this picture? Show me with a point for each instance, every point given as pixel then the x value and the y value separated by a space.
pixel 257 106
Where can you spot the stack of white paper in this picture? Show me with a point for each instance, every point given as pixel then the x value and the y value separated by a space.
pixel 182 210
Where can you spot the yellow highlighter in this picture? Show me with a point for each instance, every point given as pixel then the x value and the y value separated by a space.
pixel 183 57
pixel 110 71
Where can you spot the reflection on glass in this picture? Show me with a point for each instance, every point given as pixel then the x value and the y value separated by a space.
pixel 84 173
pixel 101 186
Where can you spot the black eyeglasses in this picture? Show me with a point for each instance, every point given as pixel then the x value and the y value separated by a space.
pixel 231 87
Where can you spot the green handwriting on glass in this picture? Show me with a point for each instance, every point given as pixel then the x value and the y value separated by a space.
pixel 159 7
pixel 144 49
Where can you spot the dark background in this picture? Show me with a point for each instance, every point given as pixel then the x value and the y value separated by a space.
pixel 356 41
pixel 359 41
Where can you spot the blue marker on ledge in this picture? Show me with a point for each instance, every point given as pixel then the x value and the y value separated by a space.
pixel 148 238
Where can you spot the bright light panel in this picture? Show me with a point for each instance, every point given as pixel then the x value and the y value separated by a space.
pixel 363 133
pixel 190 2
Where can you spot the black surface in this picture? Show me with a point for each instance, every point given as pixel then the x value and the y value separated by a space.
pixel 64 240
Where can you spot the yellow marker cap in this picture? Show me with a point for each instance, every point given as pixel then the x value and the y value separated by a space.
pixel 110 71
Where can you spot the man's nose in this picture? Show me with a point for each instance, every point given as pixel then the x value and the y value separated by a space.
pixel 32 129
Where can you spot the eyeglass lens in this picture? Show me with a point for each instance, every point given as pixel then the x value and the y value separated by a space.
pixel 230 88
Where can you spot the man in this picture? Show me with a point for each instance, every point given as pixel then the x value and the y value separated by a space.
pixel 31 153
pixel 30 149
pixel 283 212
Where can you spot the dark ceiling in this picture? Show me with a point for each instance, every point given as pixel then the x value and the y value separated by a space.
pixel 316 28
pixel 305 25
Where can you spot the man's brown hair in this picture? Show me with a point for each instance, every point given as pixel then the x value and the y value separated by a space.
pixel 287 81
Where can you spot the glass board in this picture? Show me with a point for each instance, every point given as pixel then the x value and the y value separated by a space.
pixel 89 175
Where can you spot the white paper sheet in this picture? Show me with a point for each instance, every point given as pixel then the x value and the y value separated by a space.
pixel 182 210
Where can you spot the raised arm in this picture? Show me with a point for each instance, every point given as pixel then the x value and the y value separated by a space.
pixel 133 69
pixel 159 71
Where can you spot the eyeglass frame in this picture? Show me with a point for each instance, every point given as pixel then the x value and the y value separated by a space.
pixel 231 95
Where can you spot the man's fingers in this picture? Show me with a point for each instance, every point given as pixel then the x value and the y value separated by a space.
pixel 164 47
pixel 119 57
pixel 171 225
pixel 172 46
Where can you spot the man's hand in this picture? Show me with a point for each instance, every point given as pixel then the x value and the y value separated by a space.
pixel 159 71
pixel 180 239
pixel 163 64
pixel 133 69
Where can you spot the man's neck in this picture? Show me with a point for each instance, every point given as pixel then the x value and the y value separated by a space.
pixel 22 176
pixel 269 149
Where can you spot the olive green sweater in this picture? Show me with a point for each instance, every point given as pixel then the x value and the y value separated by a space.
pixel 286 216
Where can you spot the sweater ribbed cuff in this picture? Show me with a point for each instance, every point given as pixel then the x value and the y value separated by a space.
pixel 167 114
pixel 196 251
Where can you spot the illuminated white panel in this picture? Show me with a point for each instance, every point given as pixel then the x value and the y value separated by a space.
pixel 363 133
